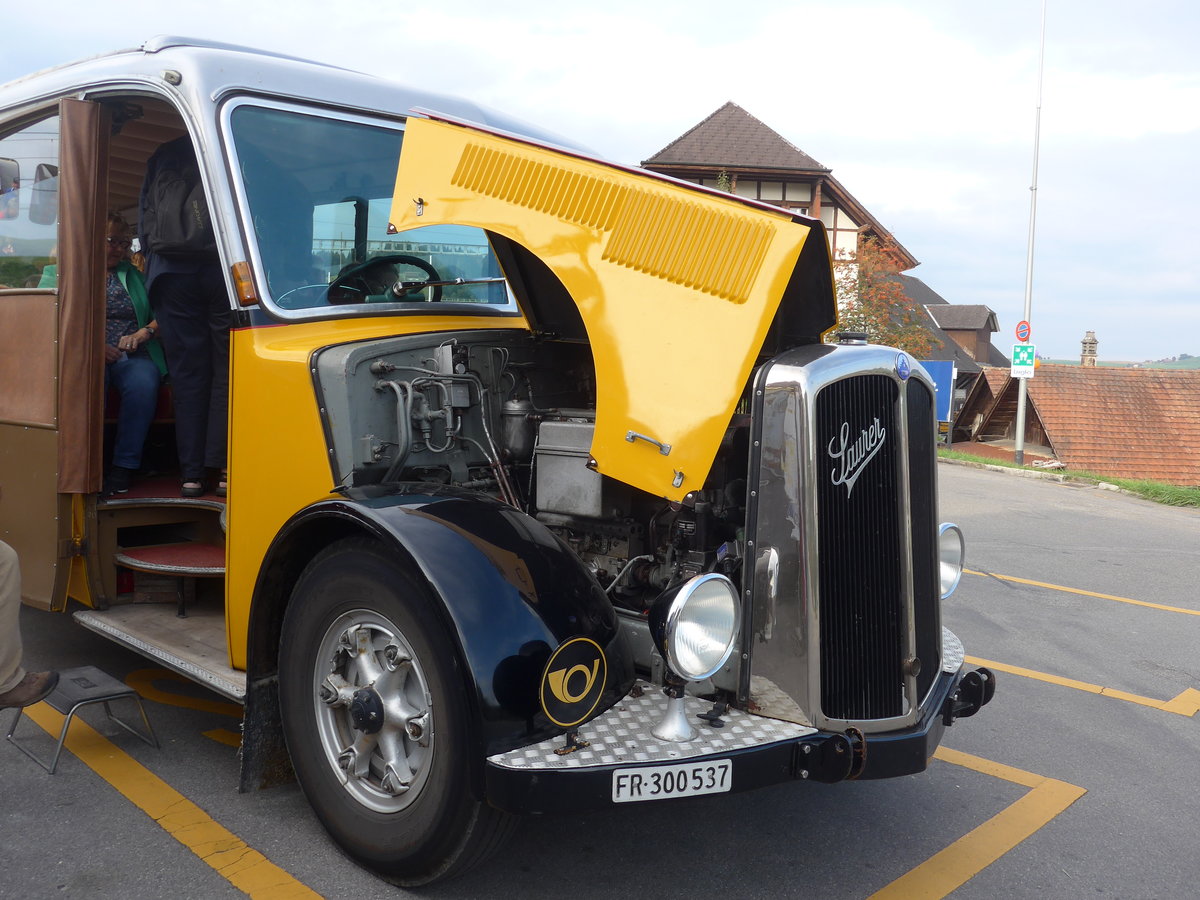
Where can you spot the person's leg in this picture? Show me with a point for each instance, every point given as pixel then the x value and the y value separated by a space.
pixel 184 332
pixel 136 379
pixel 18 688
pixel 11 672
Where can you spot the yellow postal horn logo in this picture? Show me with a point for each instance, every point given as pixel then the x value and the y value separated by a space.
pixel 573 681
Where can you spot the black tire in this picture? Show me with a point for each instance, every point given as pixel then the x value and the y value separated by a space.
pixel 353 618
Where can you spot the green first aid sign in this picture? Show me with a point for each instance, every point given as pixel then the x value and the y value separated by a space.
pixel 1023 361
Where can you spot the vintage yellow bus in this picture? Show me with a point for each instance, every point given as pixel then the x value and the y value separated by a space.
pixel 550 487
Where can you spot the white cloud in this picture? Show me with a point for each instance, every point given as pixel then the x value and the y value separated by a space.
pixel 924 110
pixel 1122 106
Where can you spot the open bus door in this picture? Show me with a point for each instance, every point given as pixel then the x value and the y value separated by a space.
pixel 51 377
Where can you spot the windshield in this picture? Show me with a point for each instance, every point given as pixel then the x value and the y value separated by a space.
pixel 319 191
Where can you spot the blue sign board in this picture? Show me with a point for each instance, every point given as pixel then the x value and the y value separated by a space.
pixel 942 373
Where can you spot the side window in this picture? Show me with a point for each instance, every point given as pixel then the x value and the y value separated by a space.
pixel 29 205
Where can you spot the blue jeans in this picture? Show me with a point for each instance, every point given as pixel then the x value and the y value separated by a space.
pixel 136 381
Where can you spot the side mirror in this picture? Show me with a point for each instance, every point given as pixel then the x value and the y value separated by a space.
pixel 10 181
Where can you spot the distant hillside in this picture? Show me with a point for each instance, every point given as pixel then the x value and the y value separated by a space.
pixel 1192 362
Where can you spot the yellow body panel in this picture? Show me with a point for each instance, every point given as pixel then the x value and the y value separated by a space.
pixel 677 288
pixel 278 459
pixel 78 587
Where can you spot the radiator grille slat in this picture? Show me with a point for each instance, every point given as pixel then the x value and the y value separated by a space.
pixel 922 463
pixel 860 549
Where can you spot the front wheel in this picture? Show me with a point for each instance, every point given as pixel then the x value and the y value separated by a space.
pixel 376 719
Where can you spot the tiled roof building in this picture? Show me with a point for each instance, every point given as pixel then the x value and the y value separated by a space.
pixel 970 417
pixel 965 316
pixel 966 337
pixel 1124 423
pixel 737 140
pixel 763 165
pixel 733 150
pixel 971 326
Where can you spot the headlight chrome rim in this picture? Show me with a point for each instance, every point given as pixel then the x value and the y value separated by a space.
pixel 687 642
pixel 952 554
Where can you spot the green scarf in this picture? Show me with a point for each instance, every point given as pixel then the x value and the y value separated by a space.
pixel 135 286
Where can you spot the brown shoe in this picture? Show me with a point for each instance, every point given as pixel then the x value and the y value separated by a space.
pixel 33 687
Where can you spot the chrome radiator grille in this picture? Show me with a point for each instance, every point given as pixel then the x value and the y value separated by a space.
pixel 859 549
pixel 844 604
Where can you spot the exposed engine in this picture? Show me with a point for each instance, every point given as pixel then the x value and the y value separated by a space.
pixel 513 416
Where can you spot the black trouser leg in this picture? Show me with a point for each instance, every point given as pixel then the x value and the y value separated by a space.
pixel 193 315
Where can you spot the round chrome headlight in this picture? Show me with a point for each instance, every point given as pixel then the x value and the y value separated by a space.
pixel 952 551
pixel 696 625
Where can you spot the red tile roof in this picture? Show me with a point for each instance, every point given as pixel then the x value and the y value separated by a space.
pixel 996 377
pixel 1130 423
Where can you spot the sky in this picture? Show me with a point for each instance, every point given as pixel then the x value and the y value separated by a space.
pixel 925 111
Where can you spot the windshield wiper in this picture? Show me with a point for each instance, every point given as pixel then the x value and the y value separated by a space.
pixel 404 288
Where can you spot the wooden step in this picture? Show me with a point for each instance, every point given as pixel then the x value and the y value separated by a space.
pixel 192 559
pixel 160 490
pixel 186 561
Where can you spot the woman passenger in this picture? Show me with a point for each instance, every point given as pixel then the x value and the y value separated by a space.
pixel 133 360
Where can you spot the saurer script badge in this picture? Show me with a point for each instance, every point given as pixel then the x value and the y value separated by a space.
pixel 573 681
pixel 851 458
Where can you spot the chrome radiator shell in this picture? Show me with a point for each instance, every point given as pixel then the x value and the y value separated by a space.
pixel 841 601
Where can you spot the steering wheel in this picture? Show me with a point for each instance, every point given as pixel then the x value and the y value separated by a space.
pixel 296 298
pixel 358 282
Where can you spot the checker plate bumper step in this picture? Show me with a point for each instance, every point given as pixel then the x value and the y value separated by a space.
pixel 762 750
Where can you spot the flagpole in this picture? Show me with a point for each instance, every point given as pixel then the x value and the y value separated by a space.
pixel 1023 383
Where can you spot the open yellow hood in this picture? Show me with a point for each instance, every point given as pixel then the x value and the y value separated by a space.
pixel 676 287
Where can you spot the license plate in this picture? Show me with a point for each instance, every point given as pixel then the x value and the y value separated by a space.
pixel 681 780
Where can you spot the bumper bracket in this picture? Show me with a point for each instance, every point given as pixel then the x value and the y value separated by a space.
pixel 972 694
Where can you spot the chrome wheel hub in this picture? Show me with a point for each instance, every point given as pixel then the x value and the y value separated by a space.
pixel 374 711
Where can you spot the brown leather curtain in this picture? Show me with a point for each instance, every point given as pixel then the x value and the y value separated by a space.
pixel 83 185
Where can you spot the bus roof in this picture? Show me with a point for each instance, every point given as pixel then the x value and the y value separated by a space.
pixel 186 65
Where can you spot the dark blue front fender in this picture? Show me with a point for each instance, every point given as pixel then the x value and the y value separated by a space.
pixel 508 590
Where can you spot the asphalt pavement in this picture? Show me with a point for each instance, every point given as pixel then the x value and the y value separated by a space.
pixel 1078 780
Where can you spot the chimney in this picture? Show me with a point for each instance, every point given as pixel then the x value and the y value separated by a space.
pixel 1088 356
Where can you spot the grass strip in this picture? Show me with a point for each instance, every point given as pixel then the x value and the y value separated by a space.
pixel 1157 491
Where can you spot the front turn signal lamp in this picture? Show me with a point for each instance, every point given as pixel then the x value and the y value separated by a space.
pixel 243 284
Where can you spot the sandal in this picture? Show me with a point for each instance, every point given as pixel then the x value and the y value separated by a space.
pixel 222 485
pixel 192 489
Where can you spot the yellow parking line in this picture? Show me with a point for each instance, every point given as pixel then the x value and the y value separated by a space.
pixel 224 736
pixel 1067 590
pixel 1186 704
pixel 146 683
pixel 952 867
pixel 245 868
